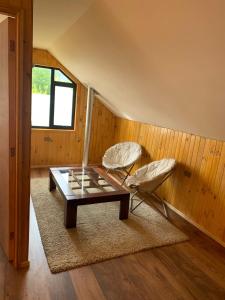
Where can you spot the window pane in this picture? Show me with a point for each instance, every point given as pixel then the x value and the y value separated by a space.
pixel 59 76
pixel 40 110
pixel 41 83
pixel 63 106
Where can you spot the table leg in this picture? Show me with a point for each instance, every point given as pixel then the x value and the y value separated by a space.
pixel 70 214
pixel 124 209
pixel 52 185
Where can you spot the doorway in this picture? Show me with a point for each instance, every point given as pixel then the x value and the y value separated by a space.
pixel 8 134
pixel 15 86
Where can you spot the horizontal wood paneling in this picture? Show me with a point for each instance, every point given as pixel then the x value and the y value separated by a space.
pixel 197 188
pixel 63 147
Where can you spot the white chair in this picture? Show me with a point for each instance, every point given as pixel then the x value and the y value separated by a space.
pixel 148 179
pixel 122 157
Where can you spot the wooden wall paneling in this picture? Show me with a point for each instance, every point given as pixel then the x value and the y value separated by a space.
pixel 213 155
pixel 175 179
pixel 214 150
pixel 217 183
pixel 222 206
pixel 96 114
pixel 82 119
pixel 176 139
pixel 168 151
pixel 158 149
pixel 178 174
pixel 63 147
pixel 183 179
pixel 144 139
pixel 96 122
pixel 203 182
pixel 220 195
pixel 190 170
pixel 102 136
pixel 155 142
pixel 205 215
pixel 197 188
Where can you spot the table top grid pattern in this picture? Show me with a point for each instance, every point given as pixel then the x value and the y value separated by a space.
pixel 83 182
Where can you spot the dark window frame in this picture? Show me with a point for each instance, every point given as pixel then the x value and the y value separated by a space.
pixel 55 83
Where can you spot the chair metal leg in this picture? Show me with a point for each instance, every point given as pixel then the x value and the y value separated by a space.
pixel 155 196
pixel 131 210
pixel 165 210
pixel 127 174
pixel 163 204
pixel 132 201
pixel 152 193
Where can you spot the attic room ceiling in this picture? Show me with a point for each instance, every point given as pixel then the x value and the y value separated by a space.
pixel 52 18
pixel 155 61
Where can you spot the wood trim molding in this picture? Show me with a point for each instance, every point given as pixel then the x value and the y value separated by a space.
pixel 22 10
pixel 191 221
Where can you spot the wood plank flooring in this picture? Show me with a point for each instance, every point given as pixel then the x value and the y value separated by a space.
pixel 189 270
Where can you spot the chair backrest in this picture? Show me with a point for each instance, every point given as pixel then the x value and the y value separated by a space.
pixel 122 154
pixel 152 175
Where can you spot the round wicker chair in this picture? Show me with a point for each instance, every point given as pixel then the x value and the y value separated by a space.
pixel 149 177
pixel 122 156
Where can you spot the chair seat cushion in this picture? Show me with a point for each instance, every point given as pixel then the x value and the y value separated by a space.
pixel 121 155
pixel 151 172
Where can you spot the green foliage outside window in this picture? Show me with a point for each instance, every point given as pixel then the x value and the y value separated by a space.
pixel 59 76
pixel 41 81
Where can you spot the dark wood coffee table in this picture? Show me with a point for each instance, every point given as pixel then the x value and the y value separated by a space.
pixel 86 186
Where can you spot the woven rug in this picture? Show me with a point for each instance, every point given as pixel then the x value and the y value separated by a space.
pixel 99 234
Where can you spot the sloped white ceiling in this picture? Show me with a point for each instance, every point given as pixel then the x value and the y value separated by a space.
pixel 53 17
pixel 155 61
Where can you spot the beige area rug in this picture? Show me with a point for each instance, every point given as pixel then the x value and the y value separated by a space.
pixel 99 235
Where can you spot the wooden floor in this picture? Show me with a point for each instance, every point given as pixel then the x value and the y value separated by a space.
pixel 189 270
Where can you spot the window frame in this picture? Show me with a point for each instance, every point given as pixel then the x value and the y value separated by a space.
pixel 55 83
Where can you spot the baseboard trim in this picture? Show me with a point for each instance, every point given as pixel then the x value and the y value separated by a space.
pixel 222 243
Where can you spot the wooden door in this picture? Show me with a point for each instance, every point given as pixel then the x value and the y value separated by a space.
pixel 8 135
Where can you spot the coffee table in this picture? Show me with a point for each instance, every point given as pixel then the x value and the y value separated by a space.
pixel 82 186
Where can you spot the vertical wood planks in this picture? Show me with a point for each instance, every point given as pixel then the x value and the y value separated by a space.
pixel 64 147
pixel 197 188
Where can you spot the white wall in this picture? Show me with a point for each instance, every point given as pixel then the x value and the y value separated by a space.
pixel 155 61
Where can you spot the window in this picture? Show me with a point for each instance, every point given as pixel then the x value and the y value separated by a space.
pixel 53 99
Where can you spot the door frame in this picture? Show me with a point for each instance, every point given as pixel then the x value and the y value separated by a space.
pixel 21 202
